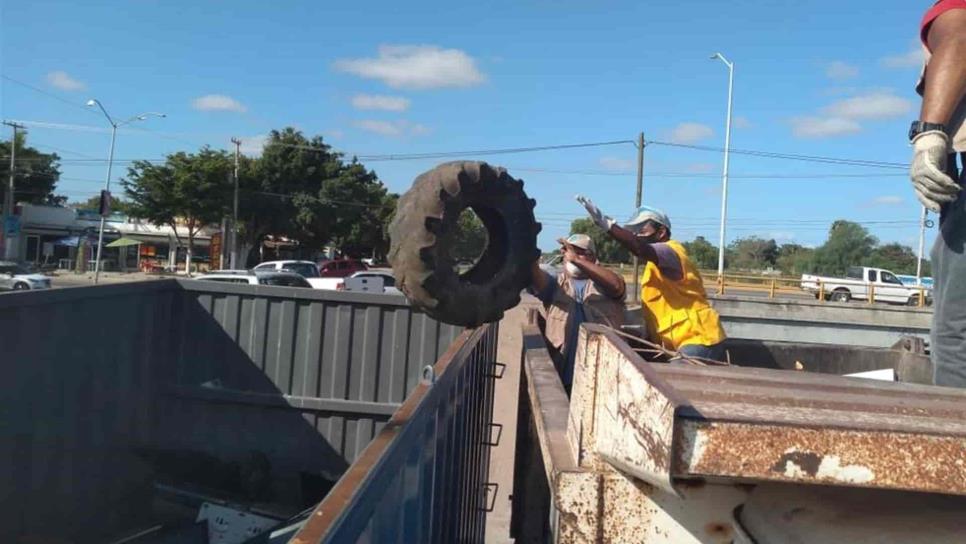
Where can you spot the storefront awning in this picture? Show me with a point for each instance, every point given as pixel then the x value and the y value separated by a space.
pixel 122 242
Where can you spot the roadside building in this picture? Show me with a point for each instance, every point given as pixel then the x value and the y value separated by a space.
pixel 52 236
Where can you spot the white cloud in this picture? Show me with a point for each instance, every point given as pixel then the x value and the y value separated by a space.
pixel 419 130
pixel 875 106
pixel 842 117
pixel 217 102
pixel 913 58
pixel 742 122
pixel 416 67
pixel 689 133
pixel 380 102
pixel 61 80
pixel 614 164
pixel 252 146
pixel 840 70
pixel 392 128
pixel 821 127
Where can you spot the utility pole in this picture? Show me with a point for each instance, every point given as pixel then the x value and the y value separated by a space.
pixel 637 204
pixel 724 173
pixel 234 215
pixel 9 246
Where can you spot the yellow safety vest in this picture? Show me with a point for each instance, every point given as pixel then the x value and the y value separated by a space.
pixel 677 313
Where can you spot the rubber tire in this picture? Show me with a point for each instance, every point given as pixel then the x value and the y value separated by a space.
pixel 21 287
pixel 423 230
pixel 835 296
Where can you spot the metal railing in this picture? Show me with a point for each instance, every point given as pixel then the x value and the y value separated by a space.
pixel 776 286
pixel 424 477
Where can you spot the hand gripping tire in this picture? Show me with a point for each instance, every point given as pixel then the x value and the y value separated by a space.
pixel 424 229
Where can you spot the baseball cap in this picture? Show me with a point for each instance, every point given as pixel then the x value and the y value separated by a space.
pixel 647 213
pixel 582 241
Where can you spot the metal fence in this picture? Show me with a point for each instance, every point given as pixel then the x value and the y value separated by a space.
pixel 423 478
pixel 105 386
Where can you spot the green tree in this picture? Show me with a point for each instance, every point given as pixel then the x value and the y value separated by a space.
pixel 609 250
pixel 896 257
pixel 471 237
pixel 301 189
pixel 848 244
pixel 794 259
pixel 702 253
pixel 191 190
pixel 36 173
pixel 94 203
pixel 752 253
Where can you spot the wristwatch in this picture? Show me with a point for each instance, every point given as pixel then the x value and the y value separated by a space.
pixel 918 127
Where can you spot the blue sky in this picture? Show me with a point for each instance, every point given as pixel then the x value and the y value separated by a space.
pixel 812 77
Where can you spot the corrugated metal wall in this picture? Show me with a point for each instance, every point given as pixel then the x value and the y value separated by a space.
pixel 425 478
pixel 101 382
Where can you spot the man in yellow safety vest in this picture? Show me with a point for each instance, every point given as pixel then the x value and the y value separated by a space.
pixel 675 305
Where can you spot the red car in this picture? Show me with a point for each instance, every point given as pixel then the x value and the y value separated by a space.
pixel 340 268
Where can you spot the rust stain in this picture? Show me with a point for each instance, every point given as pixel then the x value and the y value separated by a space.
pixel 657 450
pixel 889 460
pixel 722 532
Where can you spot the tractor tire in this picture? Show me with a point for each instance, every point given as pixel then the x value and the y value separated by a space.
pixel 424 229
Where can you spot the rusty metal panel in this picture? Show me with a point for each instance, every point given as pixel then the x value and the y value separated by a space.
pixel 599 504
pixel 662 422
pixel 422 479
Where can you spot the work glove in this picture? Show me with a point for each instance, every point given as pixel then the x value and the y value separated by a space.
pixel 928 170
pixel 595 214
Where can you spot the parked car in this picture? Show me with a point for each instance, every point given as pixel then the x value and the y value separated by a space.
pixel 388 280
pixel 306 269
pixel 341 268
pixel 859 281
pixel 912 281
pixel 17 277
pixel 256 277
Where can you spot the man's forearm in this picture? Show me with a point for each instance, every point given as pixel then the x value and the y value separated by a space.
pixel 611 282
pixel 946 77
pixel 642 250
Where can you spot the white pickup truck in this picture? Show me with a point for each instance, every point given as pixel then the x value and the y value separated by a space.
pixel 860 281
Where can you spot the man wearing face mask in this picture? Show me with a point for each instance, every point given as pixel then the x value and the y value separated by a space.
pixel 675 305
pixel 585 292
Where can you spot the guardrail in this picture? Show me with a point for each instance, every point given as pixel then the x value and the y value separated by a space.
pixel 424 477
pixel 776 286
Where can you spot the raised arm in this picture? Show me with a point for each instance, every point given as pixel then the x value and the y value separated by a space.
pixel 611 283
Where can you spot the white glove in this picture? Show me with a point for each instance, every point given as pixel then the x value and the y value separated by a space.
pixel 928 170
pixel 595 214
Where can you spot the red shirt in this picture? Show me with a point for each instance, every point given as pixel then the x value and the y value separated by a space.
pixel 938 9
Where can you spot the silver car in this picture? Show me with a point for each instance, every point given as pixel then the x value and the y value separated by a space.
pixel 256 277
pixel 17 277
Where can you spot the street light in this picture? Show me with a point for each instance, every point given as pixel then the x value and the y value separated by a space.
pixel 724 174
pixel 110 162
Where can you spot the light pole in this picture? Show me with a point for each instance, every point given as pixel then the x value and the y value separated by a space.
pixel 110 162
pixel 724 174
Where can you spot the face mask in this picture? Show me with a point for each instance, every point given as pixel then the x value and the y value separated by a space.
pixel 649 239
pixel 574 271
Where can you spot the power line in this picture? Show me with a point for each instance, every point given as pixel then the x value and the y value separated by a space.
pixel 788 156
pixel 48 94
pixel 485 152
